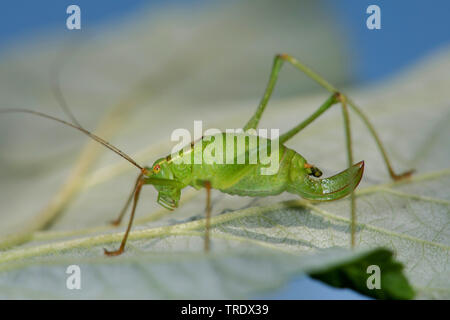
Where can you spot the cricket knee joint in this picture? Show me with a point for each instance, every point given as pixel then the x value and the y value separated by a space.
pixel 340 97
pixel 283 56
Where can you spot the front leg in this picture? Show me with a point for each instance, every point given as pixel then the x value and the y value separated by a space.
pixel 137 192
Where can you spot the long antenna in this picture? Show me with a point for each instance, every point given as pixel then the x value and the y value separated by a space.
pixel 86 132
pixel 55 73
pixel 56 89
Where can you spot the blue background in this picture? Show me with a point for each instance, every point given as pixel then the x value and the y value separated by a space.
pixel 409 31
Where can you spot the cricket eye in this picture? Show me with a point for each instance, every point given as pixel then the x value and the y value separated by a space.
pixel 156 168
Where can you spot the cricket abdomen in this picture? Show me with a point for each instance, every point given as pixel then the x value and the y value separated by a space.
pixel 244 179
pixel 252 183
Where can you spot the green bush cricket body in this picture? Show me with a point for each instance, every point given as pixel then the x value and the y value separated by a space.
pixel 295 174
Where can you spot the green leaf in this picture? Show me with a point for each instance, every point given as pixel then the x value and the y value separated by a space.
pixel 393 283
pixel 56 201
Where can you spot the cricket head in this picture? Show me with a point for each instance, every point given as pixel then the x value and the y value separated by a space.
pixel 304 181
pixel 162 178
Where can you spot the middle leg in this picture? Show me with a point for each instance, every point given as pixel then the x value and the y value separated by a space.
pixel 208 215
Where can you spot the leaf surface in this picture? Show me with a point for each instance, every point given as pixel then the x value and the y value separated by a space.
pixel 56 202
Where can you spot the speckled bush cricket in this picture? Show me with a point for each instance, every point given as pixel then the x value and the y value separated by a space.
pixel 295 174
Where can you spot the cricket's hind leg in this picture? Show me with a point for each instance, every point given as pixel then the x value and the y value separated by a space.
pixel 136 192
pixel 363 117
pixel 338 97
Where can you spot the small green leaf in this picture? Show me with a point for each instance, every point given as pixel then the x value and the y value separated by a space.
pixel 353 275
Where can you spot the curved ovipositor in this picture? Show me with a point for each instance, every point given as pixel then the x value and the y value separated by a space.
pixel 332 188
